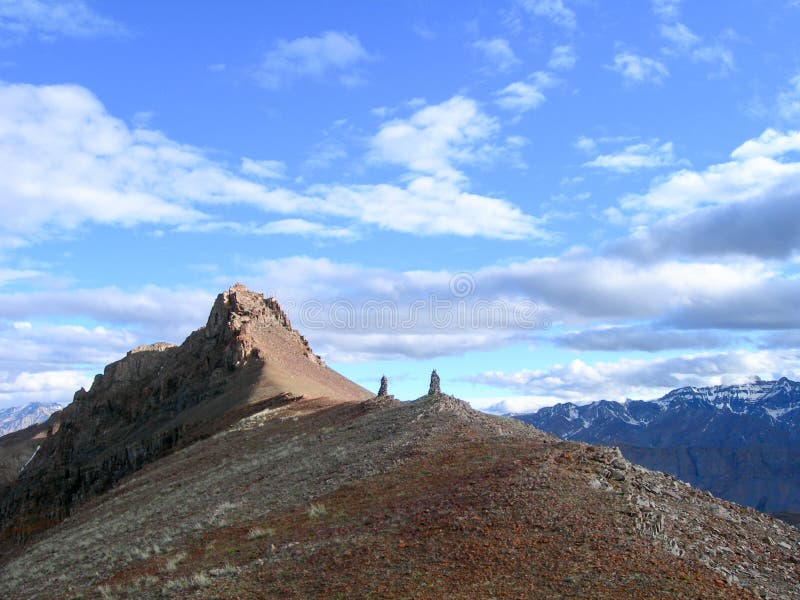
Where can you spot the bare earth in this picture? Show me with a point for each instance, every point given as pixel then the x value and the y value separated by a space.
pixel 323 499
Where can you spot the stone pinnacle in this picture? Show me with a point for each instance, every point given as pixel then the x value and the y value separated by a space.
pixel 435 388
pixel 383 391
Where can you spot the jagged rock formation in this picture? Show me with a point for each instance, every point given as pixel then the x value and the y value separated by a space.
pixel 383 390
pixel 161 397
pixel 435 386
pixel 346 494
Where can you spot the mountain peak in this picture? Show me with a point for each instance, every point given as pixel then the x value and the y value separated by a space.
pixel 239 305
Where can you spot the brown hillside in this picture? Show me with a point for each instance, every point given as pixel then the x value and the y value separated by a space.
pixel 338 496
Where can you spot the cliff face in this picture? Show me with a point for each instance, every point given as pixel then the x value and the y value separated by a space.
pixel 161 397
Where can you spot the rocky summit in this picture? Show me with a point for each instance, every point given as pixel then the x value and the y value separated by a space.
pixel 161 397
pixel 237 465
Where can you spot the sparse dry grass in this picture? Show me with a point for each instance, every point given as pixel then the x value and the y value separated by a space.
pixel 172 563
pixel 316 510
pixel 403 506
pixel 259 532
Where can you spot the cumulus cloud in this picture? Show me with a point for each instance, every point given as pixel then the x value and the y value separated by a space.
pixel 522 96
pixel 497 54
pixel 332 52
pixel 32 347
pixel 554 10
pixel 53 18
pixel 637 69
pixel 563 58
pixel 643 155
pixel 42 386
pixel 747 206
pixel 579 381
pixel 436 138
pixel 431 206
pixel 755 173
pixel 69 162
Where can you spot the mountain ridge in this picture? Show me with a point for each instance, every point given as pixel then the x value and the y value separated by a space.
pixel 161 397
pixel 14 418
pixel 741 442
pixel 239 465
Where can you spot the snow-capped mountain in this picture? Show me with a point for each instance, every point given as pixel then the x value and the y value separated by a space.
pixel 727 416
pixel 19 417
pixel 741 442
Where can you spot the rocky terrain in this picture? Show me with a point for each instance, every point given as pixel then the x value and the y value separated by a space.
pixel 162 397
pixel 326 491
pixel 740 442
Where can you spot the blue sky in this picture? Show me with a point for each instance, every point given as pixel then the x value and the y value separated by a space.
pixel 546 200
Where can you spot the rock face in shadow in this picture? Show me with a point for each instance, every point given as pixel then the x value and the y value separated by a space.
pixel 162 397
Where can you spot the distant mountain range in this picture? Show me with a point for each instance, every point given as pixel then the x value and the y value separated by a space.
pixel 740 442
pixel 19 417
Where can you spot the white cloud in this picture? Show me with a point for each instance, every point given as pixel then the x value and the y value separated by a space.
pixel 717 55
pixel 579 381
pixel 498 54
pixel 430 206
pixel 39 346
pixel 568 289
pixel 771 143
pixel 789 101
pixel 334 52
pixel 8 276
pixel 744 207
pixel 555 10
pixel 683 41
pixel 666 9
pixel 585 144
pixel 436 138
pixel 263 169
pixel 680 35
pixel 563 58
pixel 67 162
pixel 44 386
pixel 644 155
pixel 639 69
pixel 522 96
pixel 52 18
pixel 300 227
pixel 755 174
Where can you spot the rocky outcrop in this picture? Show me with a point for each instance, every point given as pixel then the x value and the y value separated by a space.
pixel 383 390
pixel 161 397
pixel 435 386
